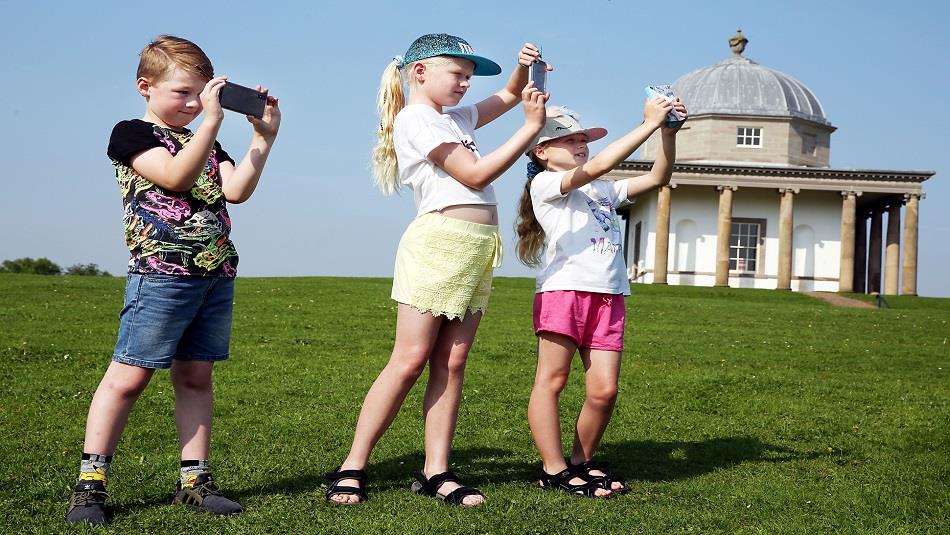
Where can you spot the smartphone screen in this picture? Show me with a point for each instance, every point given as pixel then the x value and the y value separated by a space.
pixel 242 99
pixel 538 73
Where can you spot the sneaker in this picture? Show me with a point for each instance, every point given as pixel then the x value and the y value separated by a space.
pixel 88 504
pixel 205 496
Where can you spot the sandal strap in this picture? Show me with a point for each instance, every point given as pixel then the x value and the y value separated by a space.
pixel 562 481
pixel 558 479
pixel 606 481
pixel 437 480
pixel 335 488
pixel 459 494
pixel 359 475
pixel 430 487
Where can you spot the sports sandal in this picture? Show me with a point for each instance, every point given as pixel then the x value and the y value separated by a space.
pixel 430 487
pixel 562 481
pixel 205 495
pixel 336 488
pixel 606 481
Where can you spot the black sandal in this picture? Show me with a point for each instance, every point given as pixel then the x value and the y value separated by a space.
pixel 335 488
pixel 562 481
pixel 430 487
pixel 583 470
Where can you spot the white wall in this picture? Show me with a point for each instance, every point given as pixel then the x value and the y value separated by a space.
pixel 692 245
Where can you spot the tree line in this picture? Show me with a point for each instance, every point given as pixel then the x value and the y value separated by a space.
pixel 45 266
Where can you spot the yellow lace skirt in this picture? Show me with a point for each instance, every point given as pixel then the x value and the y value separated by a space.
pixel 444 266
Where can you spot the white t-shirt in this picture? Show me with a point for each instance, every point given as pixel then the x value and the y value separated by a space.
pixel 582 235
pixel 417 130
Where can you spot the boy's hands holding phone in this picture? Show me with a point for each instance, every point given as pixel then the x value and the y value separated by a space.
pixel 256 104
pixel 210 99
pixel 268 125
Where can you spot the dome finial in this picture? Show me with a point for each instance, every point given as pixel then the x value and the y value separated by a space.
pixel 737 42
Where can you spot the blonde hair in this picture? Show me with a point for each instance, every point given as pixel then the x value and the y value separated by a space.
pixel 159 57
pixel 390 100
pixel 527 228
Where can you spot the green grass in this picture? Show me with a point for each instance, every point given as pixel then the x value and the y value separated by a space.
pixel 741 411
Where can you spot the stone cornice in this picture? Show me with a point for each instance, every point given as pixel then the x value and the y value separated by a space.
pixel 767 176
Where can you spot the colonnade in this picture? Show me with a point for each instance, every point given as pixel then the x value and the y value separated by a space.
pixel 861 261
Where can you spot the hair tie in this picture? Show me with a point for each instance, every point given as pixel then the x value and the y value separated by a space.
pixel 533 169
pixel 400 61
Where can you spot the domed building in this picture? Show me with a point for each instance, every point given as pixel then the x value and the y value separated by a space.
pixel 753 201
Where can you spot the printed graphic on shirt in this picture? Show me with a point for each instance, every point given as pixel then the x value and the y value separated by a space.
pixel 603 212
pixel 469 144
pixel 176 233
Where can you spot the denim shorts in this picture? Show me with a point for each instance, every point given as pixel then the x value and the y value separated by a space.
pixel 169 317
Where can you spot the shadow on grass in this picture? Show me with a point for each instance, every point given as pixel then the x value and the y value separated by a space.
pixel 667 461
pixel 635 460
pixel 475 466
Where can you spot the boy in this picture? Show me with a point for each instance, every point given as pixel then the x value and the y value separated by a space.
pixel 175 187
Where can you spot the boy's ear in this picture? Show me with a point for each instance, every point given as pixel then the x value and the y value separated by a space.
pixel 142 84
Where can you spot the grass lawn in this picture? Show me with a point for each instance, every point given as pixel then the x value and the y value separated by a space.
pixel 740 411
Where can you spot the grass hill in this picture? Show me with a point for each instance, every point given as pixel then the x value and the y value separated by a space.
pixel 740 411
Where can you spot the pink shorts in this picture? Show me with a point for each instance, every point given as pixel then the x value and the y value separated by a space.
pixel 592 320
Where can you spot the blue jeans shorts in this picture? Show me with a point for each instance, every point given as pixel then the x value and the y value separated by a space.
pixel 169 317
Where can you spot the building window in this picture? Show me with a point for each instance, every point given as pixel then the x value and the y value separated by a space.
pixel 744 244
pixel 748 137
pixel 809 144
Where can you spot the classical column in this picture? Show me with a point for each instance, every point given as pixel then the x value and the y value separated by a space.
pixel 874 252
pixel 723 234
pixel 861 254
pixel 785 222
pixel 662 252
pixel 892 251
pixel 846 271
pixel 909 275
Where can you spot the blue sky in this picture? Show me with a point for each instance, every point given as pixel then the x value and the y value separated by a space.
pixel 879 69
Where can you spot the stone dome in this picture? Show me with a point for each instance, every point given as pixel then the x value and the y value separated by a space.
pixel 740 86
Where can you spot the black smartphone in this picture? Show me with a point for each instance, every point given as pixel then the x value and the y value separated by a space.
pixel 538 73
pixel 242 99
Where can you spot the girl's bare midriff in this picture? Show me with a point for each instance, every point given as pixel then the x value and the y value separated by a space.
pixel 486 214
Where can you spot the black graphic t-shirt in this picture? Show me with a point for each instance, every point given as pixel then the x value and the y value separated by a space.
pixel 177 233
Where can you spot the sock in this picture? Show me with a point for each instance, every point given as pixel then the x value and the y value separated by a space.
pixel 94 467
pixel 190 471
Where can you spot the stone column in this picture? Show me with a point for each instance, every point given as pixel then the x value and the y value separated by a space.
pixel 846 271
pixel 861 254
pixel 909 275
pixel 662 253
pixel 723 234
pixel 874 252
pixel 892 251
pixel 785 222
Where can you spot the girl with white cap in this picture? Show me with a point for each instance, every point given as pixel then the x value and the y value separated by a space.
pixel 568 227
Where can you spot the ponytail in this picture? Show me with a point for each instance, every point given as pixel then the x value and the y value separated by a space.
pixel 390 100
pixel 529 230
